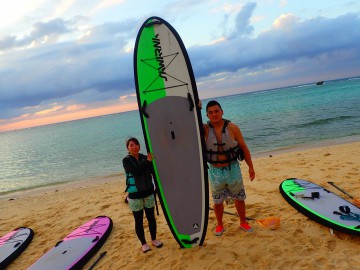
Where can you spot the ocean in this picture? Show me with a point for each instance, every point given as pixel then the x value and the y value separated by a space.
pixel 91 148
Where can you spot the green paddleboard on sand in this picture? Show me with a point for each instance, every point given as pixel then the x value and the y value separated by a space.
pixel 321 205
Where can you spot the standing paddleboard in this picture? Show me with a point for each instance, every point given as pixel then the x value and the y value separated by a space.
pixel 76 249
pixel 321 205
pixel 173 129
pixel 13 243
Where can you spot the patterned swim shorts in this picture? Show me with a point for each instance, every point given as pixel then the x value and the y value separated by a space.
pixel 226 182
pixel 139 204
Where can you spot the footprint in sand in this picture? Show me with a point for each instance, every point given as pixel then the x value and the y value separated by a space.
pixel 331 245
pixel 105 206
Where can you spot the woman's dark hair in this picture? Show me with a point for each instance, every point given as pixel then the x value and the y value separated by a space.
pixel 213 103
pixel 134 140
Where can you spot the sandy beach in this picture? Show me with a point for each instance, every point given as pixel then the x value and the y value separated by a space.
pixel 299 243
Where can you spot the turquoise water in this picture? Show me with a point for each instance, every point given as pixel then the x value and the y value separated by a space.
pixel 94 147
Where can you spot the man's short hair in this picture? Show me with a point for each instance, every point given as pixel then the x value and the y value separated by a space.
pixel 213 103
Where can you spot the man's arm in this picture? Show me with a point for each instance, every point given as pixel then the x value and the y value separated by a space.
pixel 247 156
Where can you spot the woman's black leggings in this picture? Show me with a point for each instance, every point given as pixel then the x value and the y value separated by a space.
pixel 139 228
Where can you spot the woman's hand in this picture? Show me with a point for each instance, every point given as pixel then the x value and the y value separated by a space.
pixel 149 157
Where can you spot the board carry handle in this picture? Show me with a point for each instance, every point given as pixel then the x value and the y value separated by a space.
pixel 58 243
pixel 95 239
pixel 314 195
pixel 152 23
pixel 143 107
pixel 191 102
pixel 97 260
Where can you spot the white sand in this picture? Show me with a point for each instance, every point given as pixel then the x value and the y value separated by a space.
pixel 299 243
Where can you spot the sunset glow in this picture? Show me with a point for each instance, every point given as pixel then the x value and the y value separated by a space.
pixel 69 114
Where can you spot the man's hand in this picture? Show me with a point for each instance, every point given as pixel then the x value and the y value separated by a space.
pixel 252 174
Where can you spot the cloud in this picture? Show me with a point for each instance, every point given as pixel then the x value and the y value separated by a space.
pixel 283 3
pixel 93 68
pixel 55 108
pixel 242 21
pixel 289 40
pixel 42 33
pixel 68 63
pixel 7 42
pixel 53 27
pixel 67 72
pixel 63 7
pixel 183 6
pixel 115 31
pixel 104 4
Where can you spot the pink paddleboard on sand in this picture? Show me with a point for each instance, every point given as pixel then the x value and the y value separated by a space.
pixel 76 249
pixel 13 243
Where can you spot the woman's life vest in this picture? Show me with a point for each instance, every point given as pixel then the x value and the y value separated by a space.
pixel 230 147
pixel 139 180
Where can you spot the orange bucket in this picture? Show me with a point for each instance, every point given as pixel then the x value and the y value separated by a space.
pixel 271 223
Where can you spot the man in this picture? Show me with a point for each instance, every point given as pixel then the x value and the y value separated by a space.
pixel 224 146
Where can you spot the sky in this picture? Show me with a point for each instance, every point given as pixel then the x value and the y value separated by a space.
pixel 62 60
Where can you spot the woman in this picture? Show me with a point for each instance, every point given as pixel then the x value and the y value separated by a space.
pixel 139 185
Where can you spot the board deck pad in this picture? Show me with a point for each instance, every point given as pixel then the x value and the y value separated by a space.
pixel 77 248
pixel 321 205
pixel 13 244
pixel 173 129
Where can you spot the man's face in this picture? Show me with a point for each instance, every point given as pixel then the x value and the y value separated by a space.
pixel 214 113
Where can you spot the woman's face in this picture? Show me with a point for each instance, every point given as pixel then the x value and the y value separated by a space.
pixel 133 148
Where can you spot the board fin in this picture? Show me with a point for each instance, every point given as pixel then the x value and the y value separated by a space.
pixel 190 242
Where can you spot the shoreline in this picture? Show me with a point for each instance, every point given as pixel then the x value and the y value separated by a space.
pixel 55 213
pixel 63 186
pixel 121 176
pixel 308 146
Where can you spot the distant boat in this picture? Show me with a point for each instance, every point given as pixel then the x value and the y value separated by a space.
pixel 320 83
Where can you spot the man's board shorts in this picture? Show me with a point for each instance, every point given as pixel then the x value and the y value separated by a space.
pixel 226 182
pixel 139 204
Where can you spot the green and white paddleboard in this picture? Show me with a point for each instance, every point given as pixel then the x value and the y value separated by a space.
pixel 173 129
pixel 321 205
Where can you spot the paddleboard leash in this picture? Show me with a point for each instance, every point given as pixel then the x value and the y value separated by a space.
pixel 97 260
pixel 343 191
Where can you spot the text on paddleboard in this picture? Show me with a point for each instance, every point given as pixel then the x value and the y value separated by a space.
pixel 159 58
